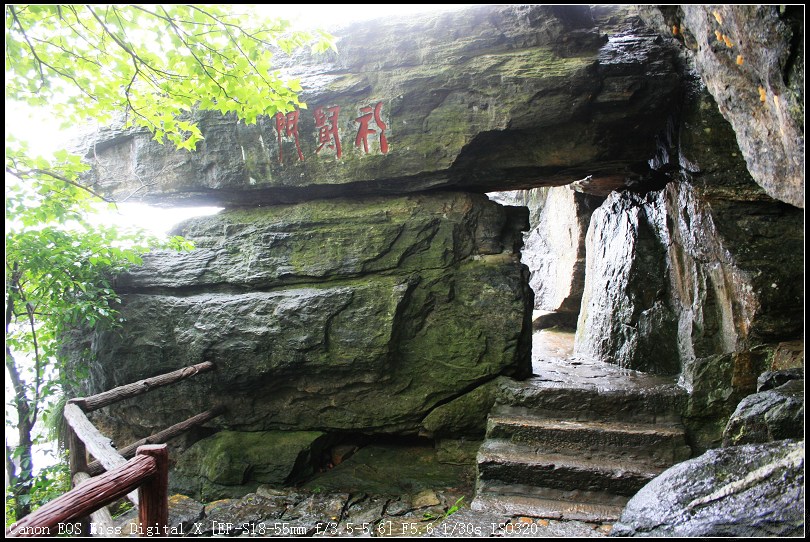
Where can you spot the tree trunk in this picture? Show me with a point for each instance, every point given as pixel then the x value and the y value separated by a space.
pixel 21 481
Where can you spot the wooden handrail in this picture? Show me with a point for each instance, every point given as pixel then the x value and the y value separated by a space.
pixel 148 471
pixel 96 467
pixel 97 444
pixel 95 402
pixel 101 519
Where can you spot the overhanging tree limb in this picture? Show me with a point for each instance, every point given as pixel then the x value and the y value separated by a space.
pixel 35 172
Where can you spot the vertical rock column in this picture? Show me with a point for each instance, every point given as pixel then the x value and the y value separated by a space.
pixel 703 278
pixel 554 248
pixel 628 316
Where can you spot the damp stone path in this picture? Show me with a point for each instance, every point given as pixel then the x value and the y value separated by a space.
pixel 577 440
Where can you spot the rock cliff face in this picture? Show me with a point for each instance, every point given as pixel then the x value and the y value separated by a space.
pixel 343 315
pixel 751 59
pixel 357 281
pixel 491 98
pixel 555 249
pixel 702 278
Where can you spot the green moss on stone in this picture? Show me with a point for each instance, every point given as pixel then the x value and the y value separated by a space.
pixel 234 458
pixel 465 416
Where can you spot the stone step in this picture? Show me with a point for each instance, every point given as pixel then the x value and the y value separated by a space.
pixel 493 487
pixel 588 389
pixel 628 405
pixel 526 505
pixel 658 445
pixel 509 463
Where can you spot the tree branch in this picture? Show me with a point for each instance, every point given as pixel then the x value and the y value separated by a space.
pixel 32 172
pixel 200 62
pixel 29 309
pixel 236 26
pixel 67 52
pixel 235 42
pixel 41 63
pixel 11 467
pixel 30 47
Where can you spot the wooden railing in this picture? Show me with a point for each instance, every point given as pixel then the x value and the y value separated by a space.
pixel 148 472
pixel 143 479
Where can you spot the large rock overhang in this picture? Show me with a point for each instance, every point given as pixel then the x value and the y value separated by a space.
pixel 489 98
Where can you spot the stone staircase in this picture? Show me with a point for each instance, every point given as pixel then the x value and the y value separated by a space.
pixel 578 442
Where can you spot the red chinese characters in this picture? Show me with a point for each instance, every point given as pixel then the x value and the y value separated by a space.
pixel 365 130
pixel 287 126
pixel 326 122
pixel 371 131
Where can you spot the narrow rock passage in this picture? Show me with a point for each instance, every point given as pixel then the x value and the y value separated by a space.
pixel 575 441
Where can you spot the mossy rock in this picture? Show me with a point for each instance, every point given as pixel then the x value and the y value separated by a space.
pixel 233 463
pixel 465 416
pixel 392 470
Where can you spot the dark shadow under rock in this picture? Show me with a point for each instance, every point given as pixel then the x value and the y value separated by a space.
pixel 392 470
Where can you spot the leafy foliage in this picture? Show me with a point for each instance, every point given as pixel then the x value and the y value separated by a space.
pixel 49 483
pixel 155 63
pixel 59 269
pixel 428 516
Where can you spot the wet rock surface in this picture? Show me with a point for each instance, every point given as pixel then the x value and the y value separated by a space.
pixel 751 59
pixel 632 322
pixel 748 491
pixel 554 250
pixel 774 379
pixel 489 98
pixel 352 315
pixel 703 276
pixel 554 247
pixel 682 285
pixel 578 439
pixel 769 415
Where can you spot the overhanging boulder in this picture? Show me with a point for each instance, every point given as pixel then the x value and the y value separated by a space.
pixel 489 98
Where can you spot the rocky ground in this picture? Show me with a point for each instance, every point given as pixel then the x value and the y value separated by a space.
pixel 429 513
pixel 387 489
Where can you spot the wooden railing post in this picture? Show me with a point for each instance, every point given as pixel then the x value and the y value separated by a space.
pixel 77 453
pixel 77 457
pixel 153 494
